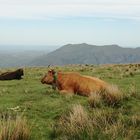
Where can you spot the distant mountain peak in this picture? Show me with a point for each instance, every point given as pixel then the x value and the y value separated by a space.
pixel 86 44
pixel 80 44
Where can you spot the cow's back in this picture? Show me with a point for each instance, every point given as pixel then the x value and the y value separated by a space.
pixel 88 85
pixel 9 76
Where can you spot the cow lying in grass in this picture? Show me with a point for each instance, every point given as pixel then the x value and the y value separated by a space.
pixel 12 75
pixel 72 82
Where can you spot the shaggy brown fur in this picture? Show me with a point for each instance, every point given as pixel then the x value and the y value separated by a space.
pixel 72 82
pixel 12 75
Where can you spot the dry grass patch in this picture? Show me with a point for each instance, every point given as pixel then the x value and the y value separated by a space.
pixel 136 120
pixel 76 125
pixel 133 90
pixel 14 128
pixel 118 130
pixel 103 118
pixel 94 100
pixel 112 95
pixel 111 125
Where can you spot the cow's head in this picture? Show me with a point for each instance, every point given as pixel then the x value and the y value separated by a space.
pixel 48 78
pixel 20 72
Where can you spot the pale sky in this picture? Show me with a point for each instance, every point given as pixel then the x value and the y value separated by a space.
pixel 59 22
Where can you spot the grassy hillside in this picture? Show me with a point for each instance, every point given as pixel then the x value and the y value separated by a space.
pixel 54 116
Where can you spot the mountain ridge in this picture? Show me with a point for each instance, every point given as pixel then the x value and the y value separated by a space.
pixel 89 54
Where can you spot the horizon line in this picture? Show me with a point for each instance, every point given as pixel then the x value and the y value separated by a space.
pixel 59 46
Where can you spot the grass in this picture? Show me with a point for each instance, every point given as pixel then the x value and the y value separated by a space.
pixel 79 124
pixel 95 100
pixel 112 95
pixel 14 127
pixel 74 125
pixel 46 110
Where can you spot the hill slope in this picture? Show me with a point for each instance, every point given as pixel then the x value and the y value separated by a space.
pixel 18 58
pixel 89 54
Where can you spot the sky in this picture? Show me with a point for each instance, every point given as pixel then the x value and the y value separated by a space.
pixel 58 22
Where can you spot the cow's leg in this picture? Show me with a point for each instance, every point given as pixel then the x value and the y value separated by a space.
pixel 66 92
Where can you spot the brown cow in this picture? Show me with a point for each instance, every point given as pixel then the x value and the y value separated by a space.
pixel 12 75
pixel 72 82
